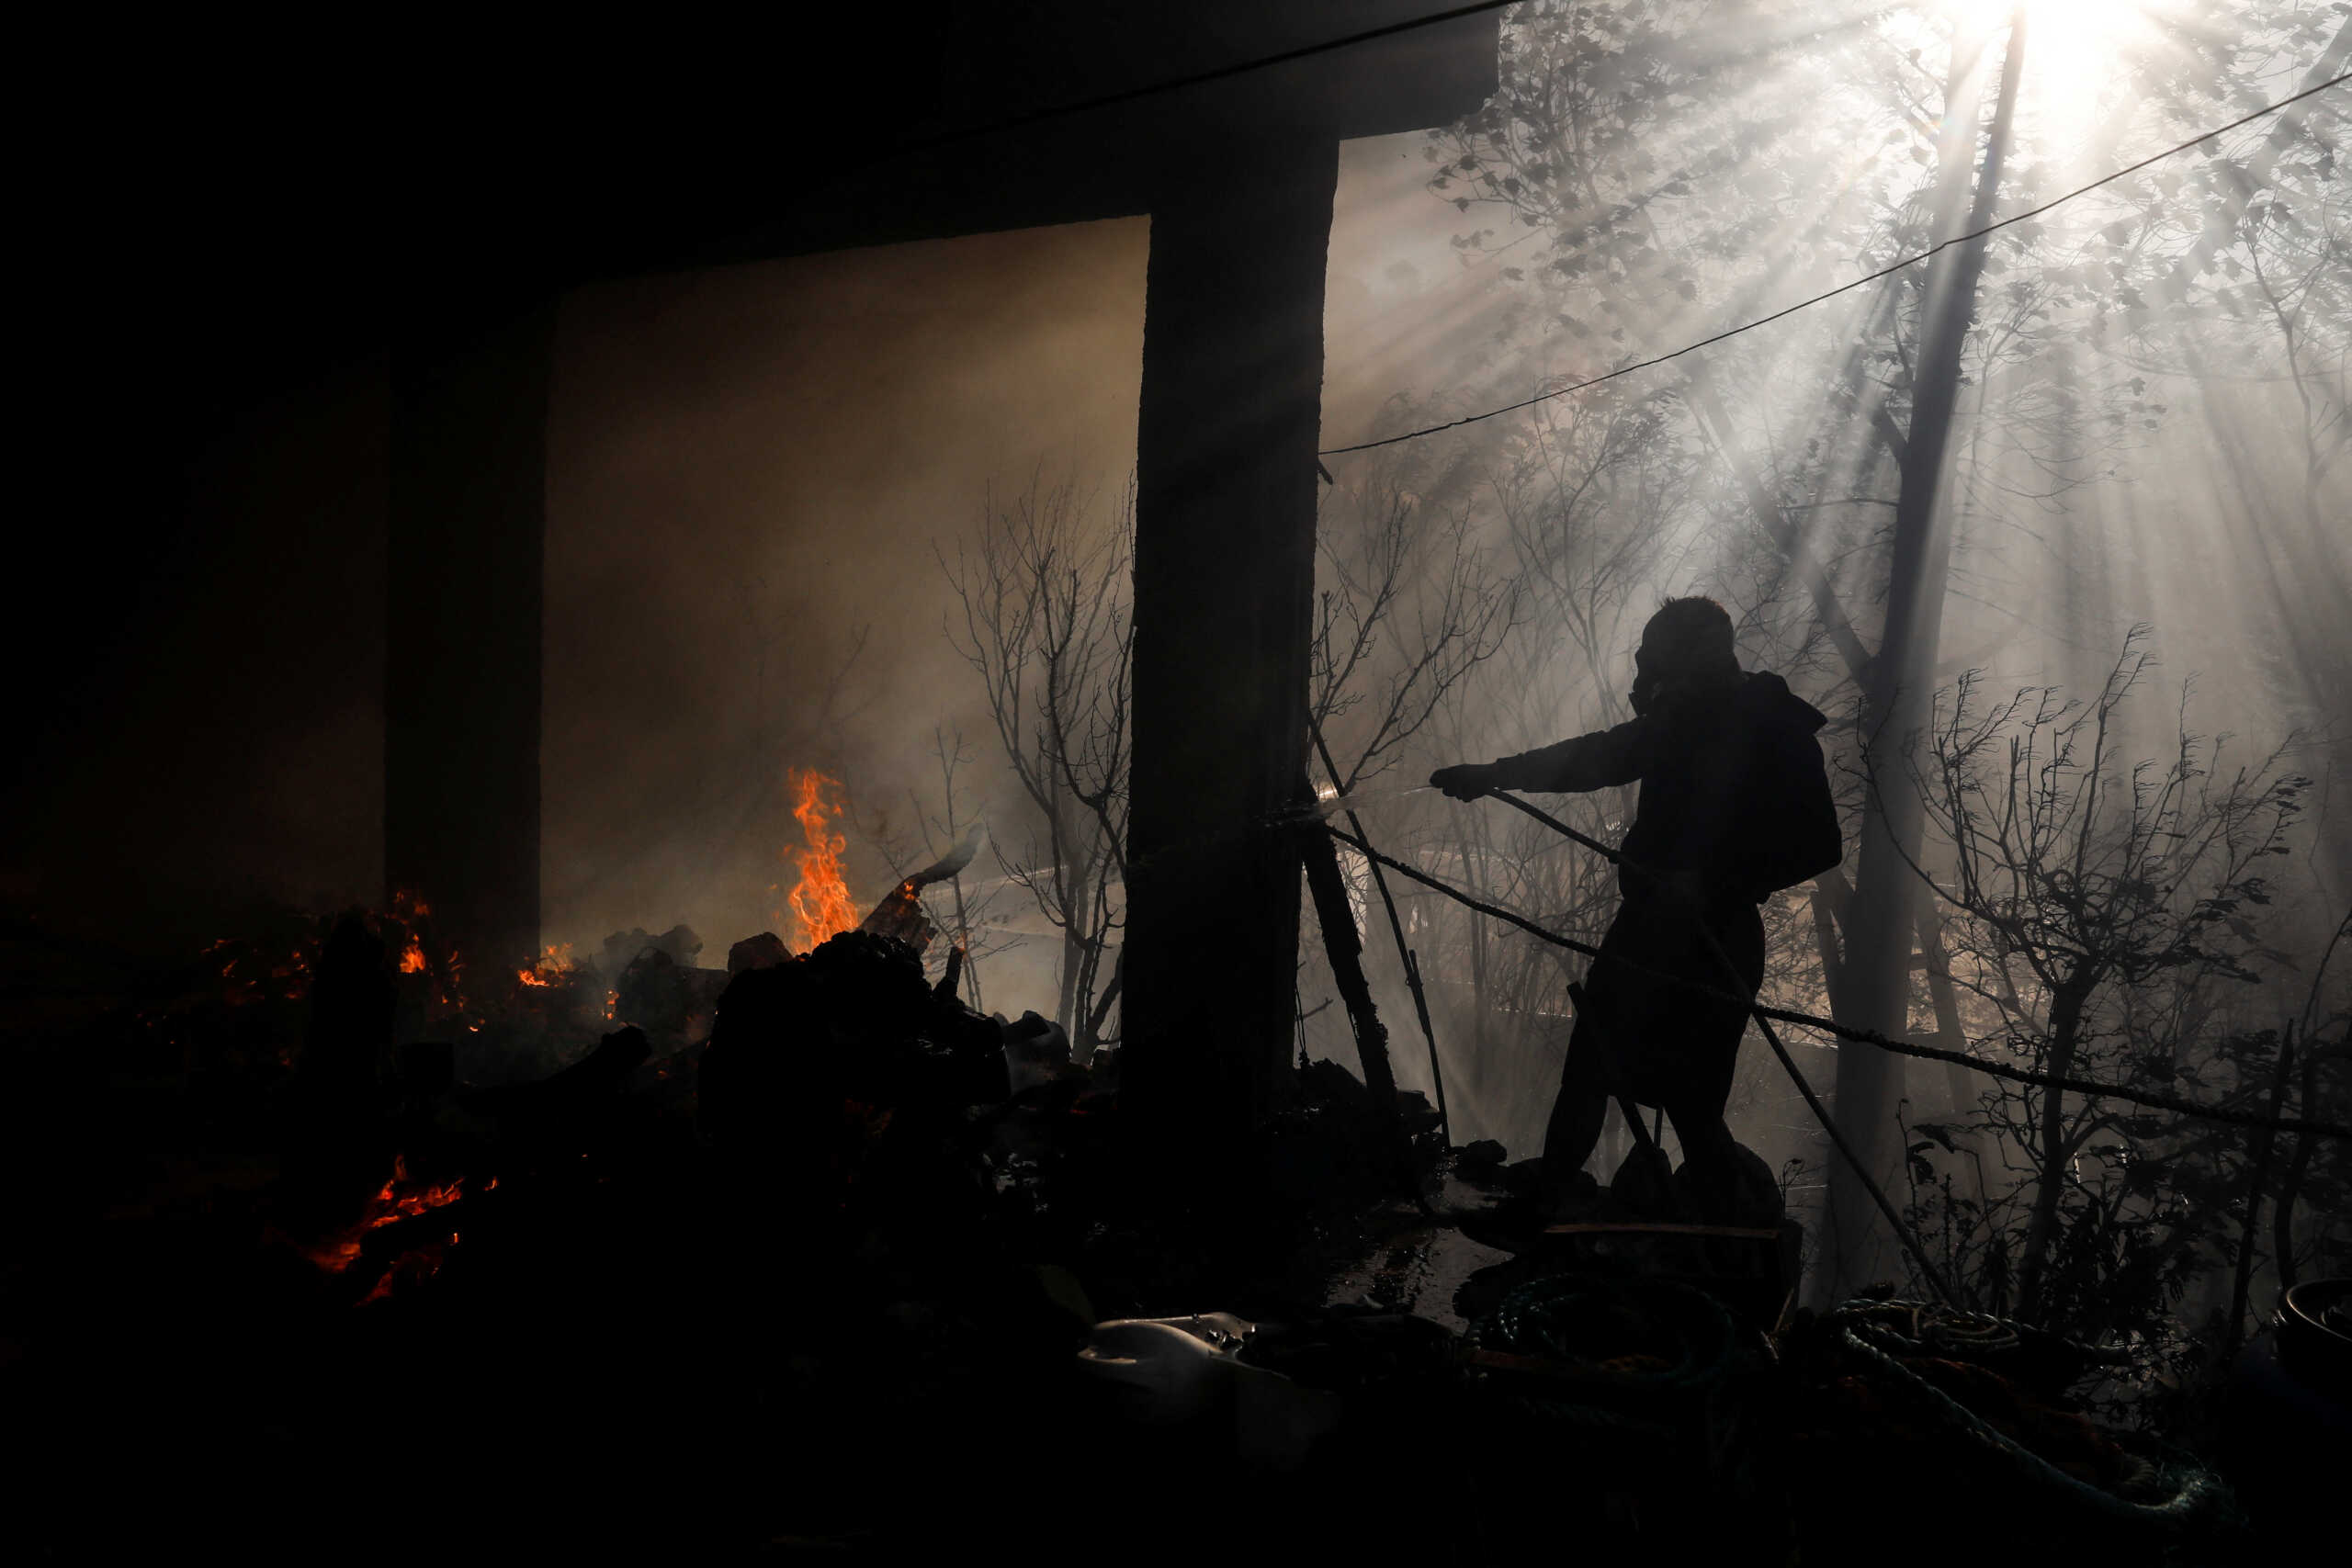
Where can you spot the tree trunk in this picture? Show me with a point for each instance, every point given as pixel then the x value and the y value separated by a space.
pixel 1830 894
pixel 2290 1186
pixel 1960 1085
pixel 2265 1140
pixel 1077 874
pixel 2051 1159
pixel 1896 697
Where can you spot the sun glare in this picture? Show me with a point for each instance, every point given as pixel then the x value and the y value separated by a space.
pixel 2073 48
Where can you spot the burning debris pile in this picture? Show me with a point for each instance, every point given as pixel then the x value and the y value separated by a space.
pixel 399 1084
pixel 851 1027
pixel 634 1193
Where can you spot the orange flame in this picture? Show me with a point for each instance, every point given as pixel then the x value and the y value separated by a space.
pixel 554 965
pixel 820 899
pixel 407 910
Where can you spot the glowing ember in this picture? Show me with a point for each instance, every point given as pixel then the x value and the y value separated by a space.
pixel 820 900
pixel 399 1198
pixel 389 1203
pixel 258 972
pixel 412 957
pixel 411 1267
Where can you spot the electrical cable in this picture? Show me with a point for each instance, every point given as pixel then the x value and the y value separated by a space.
pixel 1197 79
pixel 1847 287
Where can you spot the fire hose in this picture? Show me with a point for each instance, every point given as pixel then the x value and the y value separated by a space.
pixel 2300 1126
pixel 1902 1233
pixel 2176 1493
pixel 1685 1350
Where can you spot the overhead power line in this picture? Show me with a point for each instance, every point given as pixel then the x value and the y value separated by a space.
pixel 1197 79
pixel 1885 272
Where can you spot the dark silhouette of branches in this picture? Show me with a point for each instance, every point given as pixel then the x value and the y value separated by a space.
pixel 1043 595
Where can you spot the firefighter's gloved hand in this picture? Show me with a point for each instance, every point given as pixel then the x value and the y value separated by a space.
pixel 1465 781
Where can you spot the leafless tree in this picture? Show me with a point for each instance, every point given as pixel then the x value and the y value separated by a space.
pixel 1411 608
pixel 2106 920
pixel 1045 620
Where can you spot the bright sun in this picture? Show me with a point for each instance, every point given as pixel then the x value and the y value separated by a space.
pixel 2073 48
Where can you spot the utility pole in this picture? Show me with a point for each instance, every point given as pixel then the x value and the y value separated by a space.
pixel 1901 679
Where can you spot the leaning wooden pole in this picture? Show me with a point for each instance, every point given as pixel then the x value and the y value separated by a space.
pixel 1405 955
pixel 1344 944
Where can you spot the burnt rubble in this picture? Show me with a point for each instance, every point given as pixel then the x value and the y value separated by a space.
pixel 858 1254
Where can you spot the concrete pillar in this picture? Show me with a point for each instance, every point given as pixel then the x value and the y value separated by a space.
pixel 461 702
pixel 1225 577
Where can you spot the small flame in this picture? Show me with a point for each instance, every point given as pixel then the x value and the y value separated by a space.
pixel 820 900
pixel 412 957
pixel 554 965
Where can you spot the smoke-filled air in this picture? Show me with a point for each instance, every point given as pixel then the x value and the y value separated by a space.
pixel 1809 778
pixel 870 514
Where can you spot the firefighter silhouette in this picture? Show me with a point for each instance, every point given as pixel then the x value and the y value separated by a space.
pixel 1735 805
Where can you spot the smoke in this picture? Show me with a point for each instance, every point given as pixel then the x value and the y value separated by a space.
pixel 753 473
pixel 749 471
pixel 2130 448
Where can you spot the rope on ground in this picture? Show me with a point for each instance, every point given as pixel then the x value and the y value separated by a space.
pixel 2146 1098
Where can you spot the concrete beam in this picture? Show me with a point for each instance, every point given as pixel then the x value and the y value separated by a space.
pixel 1225 578
pixel 462 687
